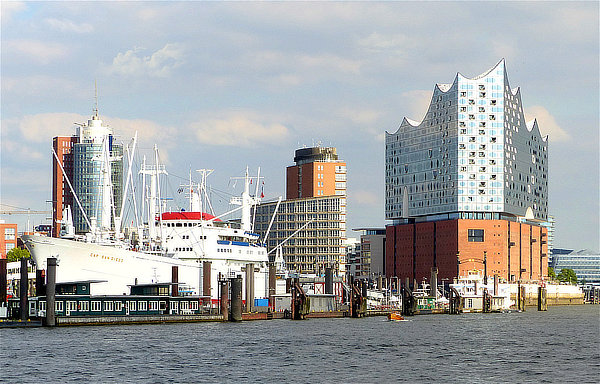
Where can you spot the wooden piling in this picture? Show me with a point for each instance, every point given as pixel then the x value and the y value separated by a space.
pixel 40 282
pixel 249 287
pixel 542 299
pixel 3 278
pixel 174 281
pixel 225 299
pixel 434 278
pixel 521 293
pixel 328 281
pixel 236 299
pixel 206 289
pixel 50 291
pixel 496 285
pixel 272 284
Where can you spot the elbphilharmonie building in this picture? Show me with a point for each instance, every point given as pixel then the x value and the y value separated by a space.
pixel 467 187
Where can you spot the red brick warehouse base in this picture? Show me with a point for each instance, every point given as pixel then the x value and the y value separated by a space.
pixel 514 251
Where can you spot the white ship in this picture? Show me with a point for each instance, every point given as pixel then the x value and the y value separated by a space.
pixel 147 252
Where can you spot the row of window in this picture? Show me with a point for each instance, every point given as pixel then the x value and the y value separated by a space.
pixel 118 306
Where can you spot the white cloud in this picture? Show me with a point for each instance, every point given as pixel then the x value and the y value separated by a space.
pixel 9 8
pixel 414 104
pixel 158 64
pixel 39 86
pixel 299 67
pixel 41 128
pixel 329 61
pixel 65 25
pixel 363 197
pixel 239 131
pixel 19 149
pixel 547 123
pixel 39 51
pixel 379 42
pixel 149 133
pixel 360 116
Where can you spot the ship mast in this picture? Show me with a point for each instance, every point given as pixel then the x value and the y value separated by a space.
pixel 153 196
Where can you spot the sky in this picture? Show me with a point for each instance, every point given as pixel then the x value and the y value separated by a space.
pixel 225 85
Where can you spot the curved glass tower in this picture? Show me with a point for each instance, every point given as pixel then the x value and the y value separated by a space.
pixel 472 156
pixel 98 176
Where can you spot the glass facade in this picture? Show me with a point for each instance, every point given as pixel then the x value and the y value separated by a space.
pixel 473 152
pixel 88 182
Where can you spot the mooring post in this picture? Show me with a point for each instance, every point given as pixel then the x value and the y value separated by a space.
pixel 364 287
pixel 3 283
pixel 24 289
pixel 40 282
pixel 249 287
pixel 542 299
pixel 236 298
pixel 206 289
pixel 272 285
pixel 434 279
pixel 519 295
pixel 496 285
pixel 351 301
pixel 522 293
pixel 328 281
pixel 50 291
pixel 225 299
pixel 174 281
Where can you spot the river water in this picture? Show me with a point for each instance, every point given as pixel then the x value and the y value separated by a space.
pixel 558 346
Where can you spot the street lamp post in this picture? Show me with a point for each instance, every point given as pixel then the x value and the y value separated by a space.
pixel 457 265
pixel 485 268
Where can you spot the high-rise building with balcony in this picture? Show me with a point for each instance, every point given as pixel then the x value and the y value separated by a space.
pixel 472 171
pixel 310 225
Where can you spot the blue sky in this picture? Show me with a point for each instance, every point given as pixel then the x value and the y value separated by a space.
pixel 225 85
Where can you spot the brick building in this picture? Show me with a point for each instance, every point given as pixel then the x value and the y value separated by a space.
pixel 61 193
pixel 8 238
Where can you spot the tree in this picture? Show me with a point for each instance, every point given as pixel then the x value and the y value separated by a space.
pixel 551 273
pixel 567 275
pixel 17 254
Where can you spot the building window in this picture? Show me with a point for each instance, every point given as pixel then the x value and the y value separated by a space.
pixel 96 306
pixel 476 235
pixel 9 233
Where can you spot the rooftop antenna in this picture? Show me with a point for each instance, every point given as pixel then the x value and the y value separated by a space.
pixel 96 97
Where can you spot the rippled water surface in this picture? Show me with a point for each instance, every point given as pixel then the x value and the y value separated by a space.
pixel 558 346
